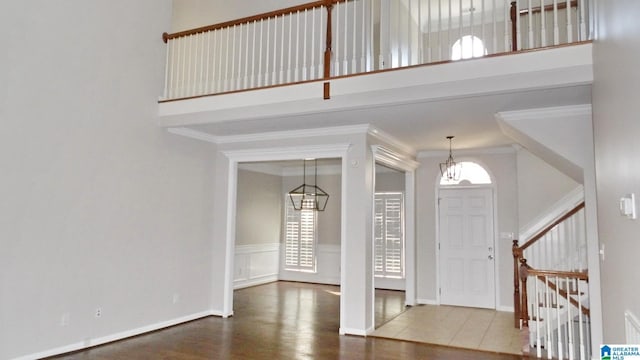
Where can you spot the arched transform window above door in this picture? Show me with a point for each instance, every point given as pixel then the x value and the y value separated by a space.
pixel 471 174
pixel 468 47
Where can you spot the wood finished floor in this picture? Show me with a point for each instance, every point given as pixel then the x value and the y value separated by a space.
pixel 280 320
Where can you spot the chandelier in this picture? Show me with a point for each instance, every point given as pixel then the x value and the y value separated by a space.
pixel 450 169
pixel 309 197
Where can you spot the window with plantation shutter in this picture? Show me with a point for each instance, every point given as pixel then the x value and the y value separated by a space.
pixel 300 238
pixel 389 235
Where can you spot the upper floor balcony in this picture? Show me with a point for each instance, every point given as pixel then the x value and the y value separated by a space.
pixel 338 62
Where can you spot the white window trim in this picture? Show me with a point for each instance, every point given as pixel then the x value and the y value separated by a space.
pixel 384 271
pixel 294 264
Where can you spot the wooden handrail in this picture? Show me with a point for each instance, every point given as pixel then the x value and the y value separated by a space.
pixel 544 231
pixel 525 271
pixel 518 251
pixel 264 16
pixel 535 10
pixel 579 275
pixel 564 293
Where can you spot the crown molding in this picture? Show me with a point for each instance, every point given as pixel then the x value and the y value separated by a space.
pixel 393 159
pixel 468 152
pixel 288 153
pixel 391 140
pixel 546 113
pixel 293 134
pixel 194 134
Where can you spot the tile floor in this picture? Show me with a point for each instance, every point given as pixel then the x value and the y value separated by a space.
pixel 469 328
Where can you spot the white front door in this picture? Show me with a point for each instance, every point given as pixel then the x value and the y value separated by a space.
pixel 467 273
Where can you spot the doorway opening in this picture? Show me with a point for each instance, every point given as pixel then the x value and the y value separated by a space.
pixel 389 244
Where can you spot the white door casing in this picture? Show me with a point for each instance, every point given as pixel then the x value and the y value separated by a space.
pixel 466 247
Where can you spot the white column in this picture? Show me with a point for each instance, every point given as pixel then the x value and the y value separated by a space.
pixel 357 289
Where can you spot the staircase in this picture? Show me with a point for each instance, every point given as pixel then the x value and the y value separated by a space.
pixel 551 296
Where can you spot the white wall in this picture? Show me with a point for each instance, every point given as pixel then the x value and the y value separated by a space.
pixel 100 207
pixel 502 166
pixel 259 208
pixel 540 186
pixel 188 14
pixel 389 180
pixel 258 228
pixel 616 129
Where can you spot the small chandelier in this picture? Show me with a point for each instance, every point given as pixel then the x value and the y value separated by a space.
pixel 309 197
pixel 450 169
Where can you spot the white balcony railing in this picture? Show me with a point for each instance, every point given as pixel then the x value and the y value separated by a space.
pixel 330 38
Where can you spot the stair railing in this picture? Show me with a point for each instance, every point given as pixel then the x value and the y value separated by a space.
pixel 560 241
pixel 555 301
pixel 566 18
pixel 325 39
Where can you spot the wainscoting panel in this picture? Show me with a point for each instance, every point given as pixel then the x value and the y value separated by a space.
pixel 256 264
pixel 632 328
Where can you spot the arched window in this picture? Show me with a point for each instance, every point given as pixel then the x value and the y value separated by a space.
pixel 467 47
pixel 470 174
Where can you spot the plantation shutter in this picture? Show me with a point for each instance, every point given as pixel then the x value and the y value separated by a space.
pixel 388 235
pixel 300 238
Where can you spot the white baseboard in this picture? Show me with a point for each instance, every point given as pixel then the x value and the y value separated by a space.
pixel 306 277
pixel 241 284
pixel 357 332
pixel 87 343
pixel 505 308
pixel 426 302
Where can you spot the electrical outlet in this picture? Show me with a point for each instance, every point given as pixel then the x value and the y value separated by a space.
pixel 98 312
pixel 65 319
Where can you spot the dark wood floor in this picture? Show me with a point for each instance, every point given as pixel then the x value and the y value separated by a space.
pixel 278 321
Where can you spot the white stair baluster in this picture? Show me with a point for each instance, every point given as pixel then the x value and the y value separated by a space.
pixel 312 68
pixel 304 47
pixel 581 331
pixel 296 74
pixel 409 37
pixel 583 23
pixel 543 25
pixel 253 55
pixel 569 22
pixel 354 63
pixel 507 39
pixel 420 35
pixel 569 320
pixel 518 31
pixel 547 298
pixel 556 29
pixel 274 67
pixel 536 304
pixel 559 347
pixel 345 61
pixel 531 43
pixel 336 45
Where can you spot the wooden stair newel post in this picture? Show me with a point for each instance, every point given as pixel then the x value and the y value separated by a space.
pixel 514 26
pixel 524 330
pixel 327 50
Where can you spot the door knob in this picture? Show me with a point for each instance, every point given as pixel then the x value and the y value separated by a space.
pixel 490 257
